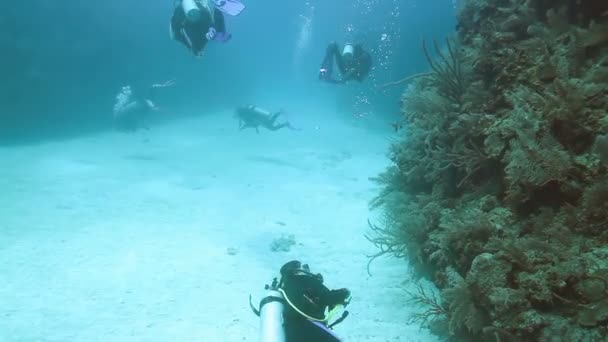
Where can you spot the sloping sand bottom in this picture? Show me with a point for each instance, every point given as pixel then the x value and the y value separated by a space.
pixel 162 235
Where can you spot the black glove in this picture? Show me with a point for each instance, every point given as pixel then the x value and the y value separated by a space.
pixel 322 74
pixel 337 297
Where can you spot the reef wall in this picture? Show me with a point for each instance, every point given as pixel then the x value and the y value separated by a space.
pixel 498 188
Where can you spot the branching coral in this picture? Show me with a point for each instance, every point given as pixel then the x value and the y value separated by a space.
pixel 388 241
pixel 532 163
pixel 469 158
pixel 463 311
pixel 600 147
pixel 448 76
pixel 433 309
pixel 594 213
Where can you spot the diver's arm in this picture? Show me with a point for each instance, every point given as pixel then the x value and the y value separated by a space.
pixel 177 26
pixel 154 87
pixel 177 20
pixel 332 52
pixel 204 32
pixel 219 22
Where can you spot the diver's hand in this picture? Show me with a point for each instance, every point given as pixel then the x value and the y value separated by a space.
pixel 339 297
pixel 322 74
pixel 211 33
pixel 151 105
pixel 197 54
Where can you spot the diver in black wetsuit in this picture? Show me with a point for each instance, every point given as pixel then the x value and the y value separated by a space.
pixel 131 110
pixel 300 308
pixel 254 117
pixel 195 29
pixel 353 62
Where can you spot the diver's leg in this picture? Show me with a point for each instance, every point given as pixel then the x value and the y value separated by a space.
pixel 274 117
pixel 278 127
pixel 340 61
pixel 303 330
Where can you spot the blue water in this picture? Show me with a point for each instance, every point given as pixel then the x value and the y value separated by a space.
pixel 161 234
pixel 63 63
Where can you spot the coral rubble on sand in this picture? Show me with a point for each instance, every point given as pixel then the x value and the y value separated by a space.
pixel 498 190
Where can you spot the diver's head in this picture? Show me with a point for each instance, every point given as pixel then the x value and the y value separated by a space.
pixel 296 268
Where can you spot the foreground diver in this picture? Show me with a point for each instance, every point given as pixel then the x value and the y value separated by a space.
pixel 131 110
pixel 299 308
pixel 253 117
pixel 196 22
pixel 353 62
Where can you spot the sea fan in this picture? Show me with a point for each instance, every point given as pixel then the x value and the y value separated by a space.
pixel 463 313
pixel 595 206
pixel 532 163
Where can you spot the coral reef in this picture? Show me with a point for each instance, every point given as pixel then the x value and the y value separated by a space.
pixel 283 243
pixel 498 188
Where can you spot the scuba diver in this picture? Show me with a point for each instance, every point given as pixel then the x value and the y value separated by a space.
pixel 299 308
pixel 196 22
pixel 253 117
pixel 353 62
pixel 131 111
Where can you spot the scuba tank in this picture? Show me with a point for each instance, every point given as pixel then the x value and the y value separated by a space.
pixel 193 12
pixel 348 50
pixel 270 311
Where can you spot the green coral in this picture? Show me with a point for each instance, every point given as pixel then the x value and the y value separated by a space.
pixel 464 313
pixel 498 191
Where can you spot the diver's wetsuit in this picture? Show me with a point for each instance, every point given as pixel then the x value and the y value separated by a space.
pixel 136 115
pixel 308 299
pixel 193 34
pixel 300 329
pixel 252 116
pixel 357 69
pixel 276 127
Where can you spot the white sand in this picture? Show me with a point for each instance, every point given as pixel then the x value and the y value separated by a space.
pixel 125 237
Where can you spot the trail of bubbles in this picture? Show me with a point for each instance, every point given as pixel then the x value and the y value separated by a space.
pixel 381 39
pixel 305 32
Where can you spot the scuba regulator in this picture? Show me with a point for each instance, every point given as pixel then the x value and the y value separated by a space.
pixel 299 308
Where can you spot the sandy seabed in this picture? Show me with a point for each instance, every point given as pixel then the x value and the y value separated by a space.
pixel 162 235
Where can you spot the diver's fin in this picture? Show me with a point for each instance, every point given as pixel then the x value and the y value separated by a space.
pixel 230 7
pixel 222 37
pixel 291 127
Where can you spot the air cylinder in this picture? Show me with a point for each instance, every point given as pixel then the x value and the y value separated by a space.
pixel 348 50
pixel 271 317
pixel 193 12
